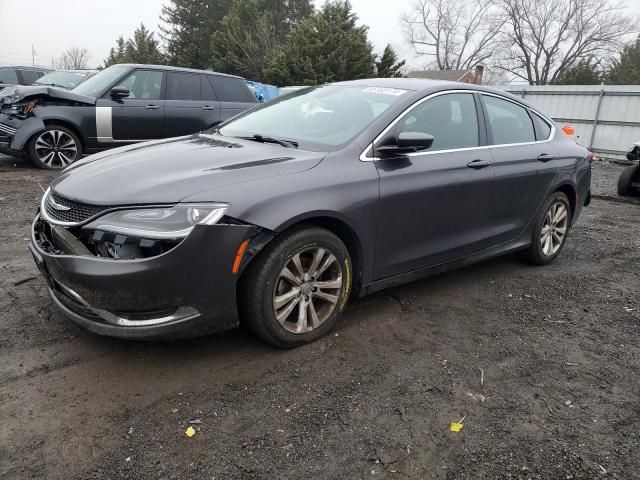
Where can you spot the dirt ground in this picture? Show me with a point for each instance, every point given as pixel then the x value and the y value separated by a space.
pixel 558 396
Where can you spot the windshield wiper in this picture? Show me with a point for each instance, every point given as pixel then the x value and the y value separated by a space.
pixel 279 141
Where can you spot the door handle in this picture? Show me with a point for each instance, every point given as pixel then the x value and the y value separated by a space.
pixel 207 107
pixel 478 164
pixel 152 107
pixel 545 157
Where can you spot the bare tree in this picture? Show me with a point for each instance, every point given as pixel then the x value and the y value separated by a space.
pixel 457 34
pixel 547 37
pixel 74 58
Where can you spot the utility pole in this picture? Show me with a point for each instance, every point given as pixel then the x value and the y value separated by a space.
pixel 33 56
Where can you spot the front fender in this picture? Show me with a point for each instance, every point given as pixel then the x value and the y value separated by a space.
pixel 26 129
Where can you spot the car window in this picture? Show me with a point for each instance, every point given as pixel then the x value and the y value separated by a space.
pixel 183 86
pixel 30 76
pixel 542 127
pixel 510 123
pixel 8 75
pixel 143 84
pixel 97 85
pixel 206 90
pixel 451 119
pixel 231 89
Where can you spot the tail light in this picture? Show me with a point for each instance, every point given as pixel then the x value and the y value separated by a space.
pixel 591 157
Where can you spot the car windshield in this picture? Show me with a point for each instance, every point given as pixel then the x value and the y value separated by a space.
pixel 96 85
pixel 316 118
pixel 66 80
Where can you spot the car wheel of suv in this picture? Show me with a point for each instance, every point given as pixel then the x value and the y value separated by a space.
pixel 629 176
pixel 298 286
pixel 550 230
pixel 55 148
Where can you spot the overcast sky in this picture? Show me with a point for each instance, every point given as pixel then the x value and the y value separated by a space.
pixel 51 26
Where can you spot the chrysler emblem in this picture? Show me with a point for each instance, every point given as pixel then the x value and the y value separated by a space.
pixel 57 206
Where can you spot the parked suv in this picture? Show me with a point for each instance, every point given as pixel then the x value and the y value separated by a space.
pixel 121 105
pixel 16 75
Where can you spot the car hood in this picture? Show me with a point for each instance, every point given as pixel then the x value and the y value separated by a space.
pixel 21 92
pixel 167 171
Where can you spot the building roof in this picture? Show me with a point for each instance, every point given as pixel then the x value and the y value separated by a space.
pixel 449 75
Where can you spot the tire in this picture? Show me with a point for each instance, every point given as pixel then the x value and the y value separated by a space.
pixel 628 176
pixel 540 252
pixel 264 284
pixel 54 148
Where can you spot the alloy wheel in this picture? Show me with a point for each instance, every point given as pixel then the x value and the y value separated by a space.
pixel 307 290
pixel 554 228
pixel 56 148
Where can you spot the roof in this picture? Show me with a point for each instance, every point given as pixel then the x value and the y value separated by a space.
pixel 174 69
pixel 449 75
pixel 26 67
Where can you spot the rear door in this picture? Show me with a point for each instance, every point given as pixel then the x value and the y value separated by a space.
pixel 234 95
pixel 434 203
pixel 191 104
pixel 525 165
pixel 140 116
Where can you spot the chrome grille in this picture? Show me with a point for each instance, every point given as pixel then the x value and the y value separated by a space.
pixel 76 213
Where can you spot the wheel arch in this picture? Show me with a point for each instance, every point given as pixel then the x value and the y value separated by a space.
pixel 343 230
pixel 572 194
pixel 63 123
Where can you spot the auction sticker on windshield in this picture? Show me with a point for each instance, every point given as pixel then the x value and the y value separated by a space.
pixel 386 91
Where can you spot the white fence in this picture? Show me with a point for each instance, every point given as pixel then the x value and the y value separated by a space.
pixel 606 117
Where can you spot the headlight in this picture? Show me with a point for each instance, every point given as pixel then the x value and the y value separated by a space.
pixel 160 223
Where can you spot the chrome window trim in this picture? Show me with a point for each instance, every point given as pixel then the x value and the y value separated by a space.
pixel 364 158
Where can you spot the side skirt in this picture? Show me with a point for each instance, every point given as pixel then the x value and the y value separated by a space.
pixel 519 244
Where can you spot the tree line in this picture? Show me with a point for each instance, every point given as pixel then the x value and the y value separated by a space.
pixel 289 42
pixel 284 42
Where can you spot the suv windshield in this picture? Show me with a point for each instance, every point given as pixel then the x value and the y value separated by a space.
pixel 66 80
pixel 96 85
pixel 316 118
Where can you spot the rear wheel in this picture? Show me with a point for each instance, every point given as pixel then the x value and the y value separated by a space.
pixel 296 289
pixel 550 230
pixel 55 148
pixel 629 181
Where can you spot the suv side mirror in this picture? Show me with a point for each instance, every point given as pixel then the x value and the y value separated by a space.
pixel 407 142
pixel 119 92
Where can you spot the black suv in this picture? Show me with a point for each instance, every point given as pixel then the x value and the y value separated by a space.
pixel 123 104
pixel 18 75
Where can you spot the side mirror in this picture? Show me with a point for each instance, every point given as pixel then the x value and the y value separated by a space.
pixel 119 92
pixel 407 142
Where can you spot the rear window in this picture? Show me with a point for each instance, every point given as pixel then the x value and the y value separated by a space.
pixel 510 123
pixel 183 86
pixel 231 89
pixel 8 75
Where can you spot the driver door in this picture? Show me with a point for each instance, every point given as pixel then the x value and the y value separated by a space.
pixel 434 203
pixel 140 116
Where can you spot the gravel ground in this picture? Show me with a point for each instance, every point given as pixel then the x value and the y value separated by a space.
pixel 558 348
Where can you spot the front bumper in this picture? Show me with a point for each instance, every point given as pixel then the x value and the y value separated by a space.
pixel 16 132
pixel 187 291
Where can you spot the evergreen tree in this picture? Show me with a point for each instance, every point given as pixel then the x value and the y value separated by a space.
pixel 327 47
pixel 188 28
pixel 388 66
pixel 117 53
pixel 254 31
pixel 626 70
pixel 584 72
pixel 141 48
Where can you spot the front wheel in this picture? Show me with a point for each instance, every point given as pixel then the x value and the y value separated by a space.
pixel 55 148
pixel 298 286
pixel 550 230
